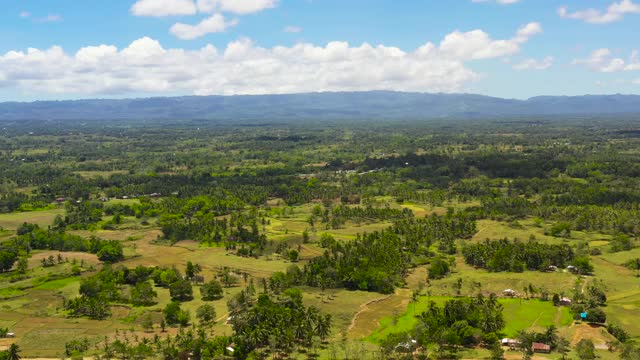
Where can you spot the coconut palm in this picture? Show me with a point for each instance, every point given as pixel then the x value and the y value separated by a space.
pixel 13 353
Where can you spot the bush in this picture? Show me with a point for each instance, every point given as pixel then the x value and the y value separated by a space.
pixel 211 291
pixel 439 268
pixel 206 313
pixel 596 315
pixel 561 229
pixel 143 294
pixel 586 350
pixel 181 290
pixel 618 332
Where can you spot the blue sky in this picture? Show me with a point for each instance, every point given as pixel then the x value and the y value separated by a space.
pixel 123 48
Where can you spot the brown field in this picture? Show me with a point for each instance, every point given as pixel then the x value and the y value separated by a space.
pixel 367 319
pixel 34 261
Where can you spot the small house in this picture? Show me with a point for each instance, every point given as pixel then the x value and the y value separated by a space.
pixel 231 348
pixel 11 335
pixel 552 268
pixel 509 292
pixel 511 343
pixel 541 348
pixel 565 301
pixel 407 347
pixel 572 269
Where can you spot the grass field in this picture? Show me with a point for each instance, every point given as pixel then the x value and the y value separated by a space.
pixel 57 284
pixel 518 315
pixel 12 221
pixel 32 308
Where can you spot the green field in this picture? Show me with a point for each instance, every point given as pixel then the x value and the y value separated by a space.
pixel 12 221
pixel 518 315
pixel 57 284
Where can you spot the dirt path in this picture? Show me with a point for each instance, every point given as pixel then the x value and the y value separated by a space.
pixel 367 319
pixel 538 318
pixel 595 333
pixel 363 308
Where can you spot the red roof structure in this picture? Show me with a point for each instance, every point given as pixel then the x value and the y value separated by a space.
pixel 541 348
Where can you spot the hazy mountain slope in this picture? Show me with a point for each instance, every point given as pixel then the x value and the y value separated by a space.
pixel 352 105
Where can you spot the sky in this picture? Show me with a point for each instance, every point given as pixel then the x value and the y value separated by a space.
pixel 70 49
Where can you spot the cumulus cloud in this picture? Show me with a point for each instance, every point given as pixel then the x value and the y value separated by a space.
pixel 602 60
pixel 501 2
pixel 242 67
pixel 476 44
pixel 240 7
pixel 213 24
pixel 25 14
pixel 614 12
pixel 160 8
pixel 533 64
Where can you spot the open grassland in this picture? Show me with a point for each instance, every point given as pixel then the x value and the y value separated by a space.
pixel 422 210
pixel 32 307
pixel 525 229
pixel 518 314
pixel 43 218
pixel 474 280
pixel 534 315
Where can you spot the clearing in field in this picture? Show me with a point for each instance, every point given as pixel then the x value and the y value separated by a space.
pixel 519 315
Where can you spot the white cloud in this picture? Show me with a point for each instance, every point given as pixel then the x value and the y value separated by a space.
pixel 614 12
pixel 292 29
pixel 240 7
pixel 533 64
pixel 245 68
pixel 159 8
pixel 501 2
pixel 212 24
pixel 25 14
pixel 477 44
pixel 602 60
pixel 636 81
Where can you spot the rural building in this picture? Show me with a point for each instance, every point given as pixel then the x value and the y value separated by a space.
pixel 541 348
pixel 572 269
pixel 511 343
pixel 407 347
pixel 552 268
pixel 565 301
pixel 509 292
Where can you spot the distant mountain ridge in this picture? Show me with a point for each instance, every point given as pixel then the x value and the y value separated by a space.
pixel 316 106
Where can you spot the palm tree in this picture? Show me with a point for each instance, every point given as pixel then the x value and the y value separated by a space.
pixel 14 352
pixel 323 327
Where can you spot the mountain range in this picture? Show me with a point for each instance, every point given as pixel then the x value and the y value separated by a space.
pixel 369 105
